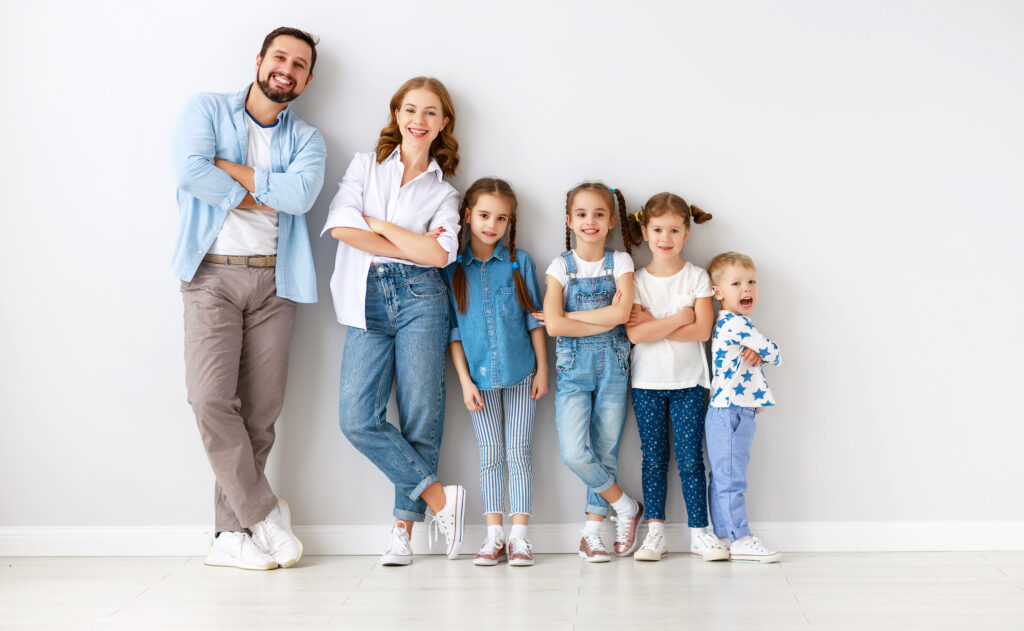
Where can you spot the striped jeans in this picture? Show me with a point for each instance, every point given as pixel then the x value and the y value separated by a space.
pixel 504 430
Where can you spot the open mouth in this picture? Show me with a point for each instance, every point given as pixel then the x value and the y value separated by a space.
pixel 282 81
pixel 416 132
pixel 746 303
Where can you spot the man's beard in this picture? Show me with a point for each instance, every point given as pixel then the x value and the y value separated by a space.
pixel 270 93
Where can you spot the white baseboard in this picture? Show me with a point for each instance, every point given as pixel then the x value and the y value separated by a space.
pixel 833 536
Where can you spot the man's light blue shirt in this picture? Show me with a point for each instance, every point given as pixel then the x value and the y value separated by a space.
pixel 495 328
pixel 214 125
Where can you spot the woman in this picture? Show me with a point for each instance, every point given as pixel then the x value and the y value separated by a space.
pixel 397 222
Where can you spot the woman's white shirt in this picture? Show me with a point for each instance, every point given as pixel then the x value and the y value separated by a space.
pixel 667 364
pixel 375 189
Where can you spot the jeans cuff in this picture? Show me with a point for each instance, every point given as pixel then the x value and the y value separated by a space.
pixel 604 487
pixel 740 532
pixel 408 515
pixel 597 510
pixel 422 486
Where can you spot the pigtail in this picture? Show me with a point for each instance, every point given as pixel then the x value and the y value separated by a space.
pixel 521 292
pixel 568 213
pixel 625 219
pixel 631 227
pixel 459 277
pixel 699 216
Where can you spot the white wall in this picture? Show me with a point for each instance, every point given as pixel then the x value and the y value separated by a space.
pixel 867 155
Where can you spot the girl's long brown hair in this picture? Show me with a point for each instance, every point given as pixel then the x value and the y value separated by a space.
pixel 658 205
pixel 444 149
pixel 500 188
pixel 610 195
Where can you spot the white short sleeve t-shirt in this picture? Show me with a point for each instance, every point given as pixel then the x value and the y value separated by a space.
pixel 668 364
pixel 250 232
pixel 623 264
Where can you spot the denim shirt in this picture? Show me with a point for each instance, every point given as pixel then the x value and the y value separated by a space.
pixel 495 328
pixel 213 125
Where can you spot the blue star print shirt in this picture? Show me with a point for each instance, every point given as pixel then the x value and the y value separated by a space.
pixel 736 384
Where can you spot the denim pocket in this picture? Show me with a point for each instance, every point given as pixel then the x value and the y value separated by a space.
pixel 622 355
pixel 564 360
pixel 508 304
pixel 426 285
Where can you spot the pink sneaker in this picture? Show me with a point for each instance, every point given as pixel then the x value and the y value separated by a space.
pixel 520 553
pixel 625 532
pixel 592 549
pixel 491 552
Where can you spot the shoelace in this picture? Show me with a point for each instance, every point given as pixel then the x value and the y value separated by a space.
pixel 520 546
pixel 397 540
pixel 653 541
pixel 594 542
pixel 489 544
pixel 267 534
pixel 437 525
pixel 622 528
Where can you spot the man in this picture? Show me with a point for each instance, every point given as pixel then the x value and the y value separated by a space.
pixel 248 170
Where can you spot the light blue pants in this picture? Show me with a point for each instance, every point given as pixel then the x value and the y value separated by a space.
pixel 590 410
pixel 729 433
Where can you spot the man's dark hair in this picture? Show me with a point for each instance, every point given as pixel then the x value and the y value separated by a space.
pixel 296 33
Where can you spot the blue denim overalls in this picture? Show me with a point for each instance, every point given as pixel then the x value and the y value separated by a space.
pixel 590 398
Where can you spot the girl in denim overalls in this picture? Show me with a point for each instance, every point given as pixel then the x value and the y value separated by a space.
pixel 500 352
pixel 588 299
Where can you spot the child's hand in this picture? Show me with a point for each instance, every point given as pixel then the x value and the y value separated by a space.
pixel 687 316
pixel 471 397
pixel 435 233
pixel 540 385
pixel 751 357
pixel 617 298
pixel 539 317
pixel 639 316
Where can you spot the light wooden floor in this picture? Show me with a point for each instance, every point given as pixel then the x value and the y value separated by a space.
pixel 876 591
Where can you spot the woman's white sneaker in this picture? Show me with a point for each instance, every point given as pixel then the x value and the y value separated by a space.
pixel 398 550
pixel 654 548
pixel 752 550
pixel 708 547
pixel 236 549
pixel 450 520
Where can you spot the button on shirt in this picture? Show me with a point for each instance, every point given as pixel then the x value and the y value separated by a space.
pixel 214 126
pixel 495 328
pixel 737 384
pixel 375 189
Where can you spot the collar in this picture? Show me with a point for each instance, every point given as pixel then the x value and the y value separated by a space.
pixel 238 100
pixel 500 253
pixel 396 155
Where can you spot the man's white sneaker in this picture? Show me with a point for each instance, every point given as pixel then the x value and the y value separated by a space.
pixel 654 548
pixel 450 520
pixel 708 547
pixel 751 549
pixel 275 537
pixel 398 550
pixel 236 549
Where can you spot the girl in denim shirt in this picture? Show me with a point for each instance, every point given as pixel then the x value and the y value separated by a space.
pixel 588 299
pixel 499 351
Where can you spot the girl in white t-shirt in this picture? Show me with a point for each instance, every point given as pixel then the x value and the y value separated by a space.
pixel 670 321
pixel 588 299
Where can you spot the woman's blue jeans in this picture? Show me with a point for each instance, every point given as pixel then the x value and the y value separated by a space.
pixel 406 337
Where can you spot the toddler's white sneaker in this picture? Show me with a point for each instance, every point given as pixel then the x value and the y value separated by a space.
pixel 654 547
pixel 706 546
pixel 751 549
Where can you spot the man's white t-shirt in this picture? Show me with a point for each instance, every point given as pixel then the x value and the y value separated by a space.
pixel 250 232
pixel 622 262
pixel 668 364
